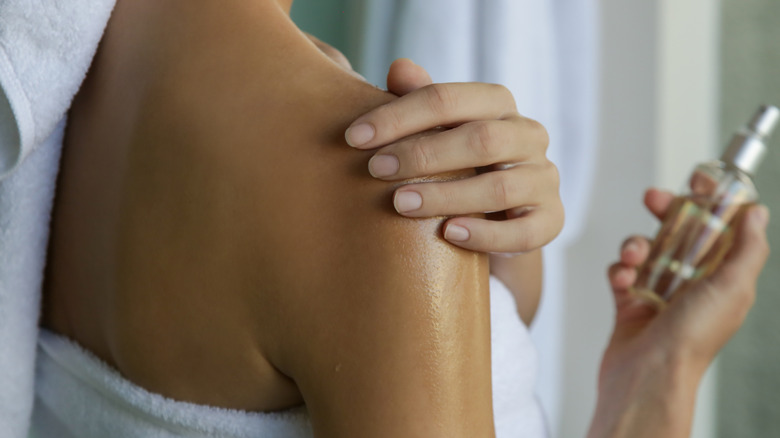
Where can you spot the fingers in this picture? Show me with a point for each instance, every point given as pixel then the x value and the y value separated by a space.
pixel 473 144
pixel 428 107
pixel 525 185
pixel 658 201
pixel 512 236
pixel 405 76
pixel 634 251
pixel 621 276
pixel 528 192
pixel 631 304
pixel 631 308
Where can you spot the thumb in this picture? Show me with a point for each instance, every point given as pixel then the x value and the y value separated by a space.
pixel 405 76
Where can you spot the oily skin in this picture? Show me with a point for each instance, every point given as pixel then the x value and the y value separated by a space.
pixel 521 273
pixel 216 241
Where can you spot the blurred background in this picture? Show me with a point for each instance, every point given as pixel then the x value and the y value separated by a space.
pixel 633 95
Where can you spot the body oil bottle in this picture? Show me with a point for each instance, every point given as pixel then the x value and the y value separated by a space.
pixel 698 228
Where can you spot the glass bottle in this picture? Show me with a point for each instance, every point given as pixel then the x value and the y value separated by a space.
pixel 698 229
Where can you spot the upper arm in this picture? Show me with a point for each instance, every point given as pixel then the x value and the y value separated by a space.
pixel 381 323
pixel 383 326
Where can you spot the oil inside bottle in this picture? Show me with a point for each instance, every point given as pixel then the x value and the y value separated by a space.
pixel 696 233
pixel 698 230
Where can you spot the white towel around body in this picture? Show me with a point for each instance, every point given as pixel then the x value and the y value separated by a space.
pixel 46 47
pixel 78 396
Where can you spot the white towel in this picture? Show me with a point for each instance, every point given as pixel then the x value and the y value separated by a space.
pixel 46 47
pixel 516 410
pixel 78 396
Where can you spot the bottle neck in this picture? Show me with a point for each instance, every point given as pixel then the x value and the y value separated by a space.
pixel 745 152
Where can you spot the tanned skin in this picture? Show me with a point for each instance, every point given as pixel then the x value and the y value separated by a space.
pixel 216 241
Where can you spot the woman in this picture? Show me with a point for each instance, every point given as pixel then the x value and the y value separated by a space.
pixel 236 254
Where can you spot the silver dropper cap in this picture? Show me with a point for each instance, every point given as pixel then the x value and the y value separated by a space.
pixel 747 147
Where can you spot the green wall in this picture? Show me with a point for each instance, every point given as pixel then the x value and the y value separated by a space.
pixel 749 377
pixel 328 20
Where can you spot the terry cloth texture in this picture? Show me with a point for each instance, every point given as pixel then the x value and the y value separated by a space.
pixel 78 396
pixel 46 47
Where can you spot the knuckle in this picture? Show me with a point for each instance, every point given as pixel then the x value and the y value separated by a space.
pixel 505 93
pixel 503 89
pixel 441 98
pixel 504 189
pixel 540 134
pixel 447 197
pixel 389 117
pixel 544 232
pixel 523 242
pixel 555 174
pixel 423 156
pixel 483 141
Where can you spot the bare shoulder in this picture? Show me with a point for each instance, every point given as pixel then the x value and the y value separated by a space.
pixel 382 325
pixel 244 227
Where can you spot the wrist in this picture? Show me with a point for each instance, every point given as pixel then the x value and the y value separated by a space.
pixel 647 398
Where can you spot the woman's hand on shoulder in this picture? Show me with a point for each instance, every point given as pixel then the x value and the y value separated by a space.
pixel 515 178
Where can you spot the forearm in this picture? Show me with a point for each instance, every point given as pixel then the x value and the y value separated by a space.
pixel 649 400
pixel 657 355
pixel 522 274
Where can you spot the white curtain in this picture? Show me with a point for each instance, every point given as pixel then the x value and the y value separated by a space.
pixel 545 52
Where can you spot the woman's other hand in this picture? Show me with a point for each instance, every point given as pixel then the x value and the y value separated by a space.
pixel 516 179
pixel 658 352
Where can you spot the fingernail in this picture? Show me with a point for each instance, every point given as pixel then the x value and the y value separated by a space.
pixel 381 166
pixel 456 233
pixel 359 135
pixel 623 277
pixel 407 201
pixel 760 216
pixel 631 247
